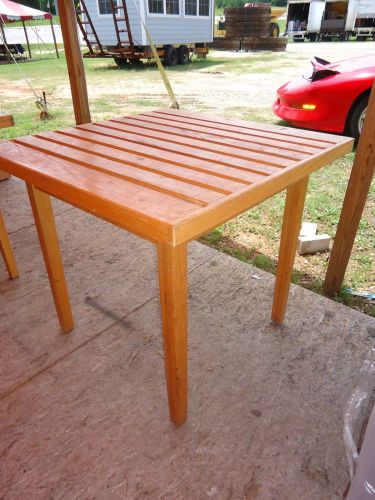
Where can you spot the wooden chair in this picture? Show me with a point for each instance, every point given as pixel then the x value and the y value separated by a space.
pixel 6 251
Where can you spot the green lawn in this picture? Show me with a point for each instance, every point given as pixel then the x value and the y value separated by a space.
pixel 252 236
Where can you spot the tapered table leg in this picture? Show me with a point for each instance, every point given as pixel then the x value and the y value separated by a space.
pixel 6 251
pixel 295 202
pixel 45 224
pixel 172 262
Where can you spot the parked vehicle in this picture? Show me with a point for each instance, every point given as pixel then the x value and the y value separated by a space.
pixel 304 19
pixel 330 19
pixel 333 98
pixel 365 20
pixel 114 28
pixel 338 19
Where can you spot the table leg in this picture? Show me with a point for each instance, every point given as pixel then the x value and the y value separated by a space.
pixel 45 224
pixel 6 251
pixel 172 263
pixel 295 202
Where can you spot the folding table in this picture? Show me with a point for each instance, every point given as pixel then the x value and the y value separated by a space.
pixel 169 176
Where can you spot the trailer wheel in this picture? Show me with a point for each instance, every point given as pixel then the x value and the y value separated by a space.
pixel 121 62
pixel 274 30
pixel 183 54
pixel 356 117
pixel 171 56
pixel 313 37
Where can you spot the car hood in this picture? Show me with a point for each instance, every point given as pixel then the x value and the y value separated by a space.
pixel 351 65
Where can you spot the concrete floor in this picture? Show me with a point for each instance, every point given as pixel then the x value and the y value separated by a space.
pixel 84 415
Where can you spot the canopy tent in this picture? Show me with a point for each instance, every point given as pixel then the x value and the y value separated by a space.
pixel 12 12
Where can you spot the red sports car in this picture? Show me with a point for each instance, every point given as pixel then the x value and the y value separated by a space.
pixel 333 99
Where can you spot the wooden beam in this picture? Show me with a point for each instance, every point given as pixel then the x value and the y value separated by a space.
pixel 54 39
pixel 74 61
pixel 354 202
pixel 6 121
pixel 27 38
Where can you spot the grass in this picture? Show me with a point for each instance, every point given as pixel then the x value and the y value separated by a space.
pixel 253 236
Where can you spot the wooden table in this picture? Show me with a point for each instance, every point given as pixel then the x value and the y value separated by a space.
pixel 5 248
pixel 169 177
pixel 5 122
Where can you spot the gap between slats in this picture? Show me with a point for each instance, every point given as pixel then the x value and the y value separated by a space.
pixel 276 163
pixel 221 175
pixel 137 166
pixel 201 119
pixel 256 169
pixel 90 166
pixel 206 142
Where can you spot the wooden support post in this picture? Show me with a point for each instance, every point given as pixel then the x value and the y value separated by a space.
pixel 54 39
pixel 354 202
pixel 45 224
pixel 4 39
pixel 74 61
pixel 173 303
pixel 294 205
pixel 6 251
pixel 27 38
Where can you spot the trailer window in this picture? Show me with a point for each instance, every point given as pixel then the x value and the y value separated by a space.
pixel 204 6
pixel 190 7
pixel 172 6
pixel 156 6
pixel 105 7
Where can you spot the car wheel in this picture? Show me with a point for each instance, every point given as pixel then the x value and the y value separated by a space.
pixel 171 56
pixel 183 54
pixel 357 118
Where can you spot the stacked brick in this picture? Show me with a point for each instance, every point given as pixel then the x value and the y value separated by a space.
pixel 248 28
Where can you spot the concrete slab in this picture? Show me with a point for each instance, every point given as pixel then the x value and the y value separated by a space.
pixel 85 415
pixel 109 273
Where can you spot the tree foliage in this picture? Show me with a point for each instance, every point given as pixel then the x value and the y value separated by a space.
pixel 45 5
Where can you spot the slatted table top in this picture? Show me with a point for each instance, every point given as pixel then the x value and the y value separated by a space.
pixel 169 175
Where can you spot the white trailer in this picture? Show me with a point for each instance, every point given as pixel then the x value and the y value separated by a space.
pixel 365 20
pixel 304 18
pixel 114 28
pixel 338 19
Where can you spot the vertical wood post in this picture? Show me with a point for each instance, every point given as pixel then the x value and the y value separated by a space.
pixel 54 39
pixel 4 39
pixel 27 38
pixel 293 212
pixel 172 264
pixel 354 202
pixel 74 61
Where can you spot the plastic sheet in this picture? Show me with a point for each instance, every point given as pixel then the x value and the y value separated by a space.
pixel 354 418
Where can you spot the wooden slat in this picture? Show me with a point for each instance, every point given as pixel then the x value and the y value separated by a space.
pixel 145 125
pixel 220 128
pixel 225 171
pixel 197 177
pixel 307 135
pixel 256 165
pixel 220 133
pixel 149 127
pixel 136 208
pixel 214 215
pixel 173 187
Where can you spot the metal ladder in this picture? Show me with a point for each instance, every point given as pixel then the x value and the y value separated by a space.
pixel 117 7
pixel 81 10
